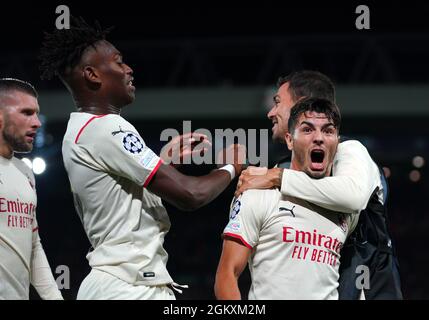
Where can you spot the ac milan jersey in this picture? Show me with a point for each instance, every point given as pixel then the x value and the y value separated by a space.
pixel 295 245
pixel 18 227
pixel 109 165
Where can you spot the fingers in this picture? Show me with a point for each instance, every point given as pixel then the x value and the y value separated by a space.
pixel 182 147
pixel 191 137
pixel 199 136
pixel 240 190
pixel 241 185
pixel 205 142
pixel 240 181
pixel 257 171
pixel 198 151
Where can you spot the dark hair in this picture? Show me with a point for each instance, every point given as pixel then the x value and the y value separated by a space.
pixel 9 84
pixel 64 48
pixel 309 84
pixel 325 106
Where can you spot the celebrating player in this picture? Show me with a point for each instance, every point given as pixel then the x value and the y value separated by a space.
pixel 357 185
pixel 292 246
pixel 116 180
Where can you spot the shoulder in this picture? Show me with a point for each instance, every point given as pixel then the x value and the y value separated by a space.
pixel 352 146
pixel 353 154
pixel 109 122
pixel 253 206
pixel 261 194
pixel 102 127
pixel 353 149
pixel 23 168
pixel 260 199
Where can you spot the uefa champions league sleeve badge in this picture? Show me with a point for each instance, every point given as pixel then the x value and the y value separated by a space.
pixel 235 209
pixel 132 143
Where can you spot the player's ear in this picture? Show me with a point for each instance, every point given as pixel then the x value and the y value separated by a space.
pixel 91 75
pixel 289 141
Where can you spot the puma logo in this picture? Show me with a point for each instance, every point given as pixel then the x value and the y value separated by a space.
pixel 287 210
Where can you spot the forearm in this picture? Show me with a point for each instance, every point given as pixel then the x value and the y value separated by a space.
pixel 355 178
pixel 202 190
pixel 41 274
pixel 186 192
pixel 226 287
pixel 338 193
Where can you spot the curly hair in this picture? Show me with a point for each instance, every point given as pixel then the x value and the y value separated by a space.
pixel 63 49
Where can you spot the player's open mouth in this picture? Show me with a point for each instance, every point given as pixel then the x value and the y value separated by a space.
pixel 30 136
pixel 317 156
pixel 130 83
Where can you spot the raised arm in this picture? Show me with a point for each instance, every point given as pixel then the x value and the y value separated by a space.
pixel 124 153
pixel 190 193
pixel 186 192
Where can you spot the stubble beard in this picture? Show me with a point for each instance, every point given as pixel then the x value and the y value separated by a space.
pixel 18 144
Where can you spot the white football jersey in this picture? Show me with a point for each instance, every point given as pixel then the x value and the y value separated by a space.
pixel 109 165
pixel 295 245
pixel 18 227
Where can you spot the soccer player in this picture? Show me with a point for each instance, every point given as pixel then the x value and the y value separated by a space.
pixel 357 185
pixel 116 180
pixel 292 245
pixel 22 258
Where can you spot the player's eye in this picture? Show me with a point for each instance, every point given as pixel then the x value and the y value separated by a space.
pixel 276 100
pixel 330 131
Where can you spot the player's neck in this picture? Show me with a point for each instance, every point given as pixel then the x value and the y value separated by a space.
pixel 295 166
pixel 98 109
pixel 5 150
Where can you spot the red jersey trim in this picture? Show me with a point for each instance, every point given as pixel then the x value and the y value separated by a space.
pixel 35 229
pixel 152 173
pixel 84 126
pixel 232 235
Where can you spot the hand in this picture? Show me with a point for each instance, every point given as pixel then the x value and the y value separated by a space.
pixel 235 154
pixel 184 147
pixel 251 171
pixel 255 171
pixel 272 179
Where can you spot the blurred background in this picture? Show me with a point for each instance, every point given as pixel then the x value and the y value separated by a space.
pixel 217 65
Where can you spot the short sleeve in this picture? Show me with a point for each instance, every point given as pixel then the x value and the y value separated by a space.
pixel 113 145
pixel 246 218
